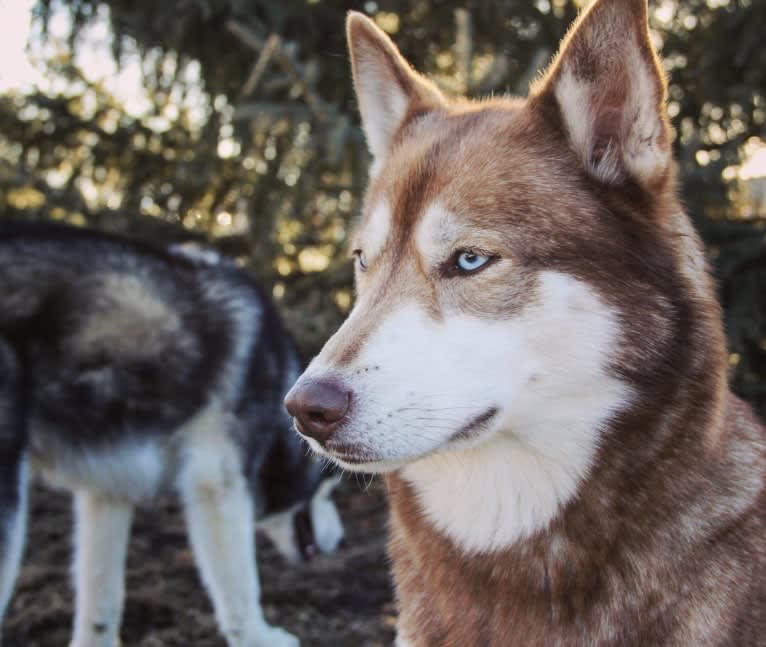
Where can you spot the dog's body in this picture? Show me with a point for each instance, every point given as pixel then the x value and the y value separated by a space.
pixel 537 361
pixel 131 371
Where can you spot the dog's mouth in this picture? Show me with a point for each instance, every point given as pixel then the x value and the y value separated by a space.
pixel 349 453
pixel 358 457
pixel 475 425
pixel 304 533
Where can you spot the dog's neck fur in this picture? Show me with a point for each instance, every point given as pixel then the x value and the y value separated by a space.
pixel 605 571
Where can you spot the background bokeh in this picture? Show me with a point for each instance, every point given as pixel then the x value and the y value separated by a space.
pixel 233 122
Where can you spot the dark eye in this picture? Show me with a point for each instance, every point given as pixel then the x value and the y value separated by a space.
pixel 360 259
pixel 469 261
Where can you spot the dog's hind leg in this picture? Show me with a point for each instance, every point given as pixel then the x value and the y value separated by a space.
pixel 13 474
pixel 13 522
pixel 102 530
pixel 219 514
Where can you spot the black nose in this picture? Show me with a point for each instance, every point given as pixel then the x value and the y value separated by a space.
pixel 318 406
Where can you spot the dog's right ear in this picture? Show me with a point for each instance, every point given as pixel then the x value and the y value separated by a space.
pixel 389 91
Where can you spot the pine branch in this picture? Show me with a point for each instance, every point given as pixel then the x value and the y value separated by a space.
pixel 280 53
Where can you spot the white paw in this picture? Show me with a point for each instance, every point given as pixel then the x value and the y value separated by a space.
pixel 95 642
pixel 262 635
pixel 270 636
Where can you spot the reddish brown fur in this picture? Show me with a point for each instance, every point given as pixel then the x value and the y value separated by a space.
pixel 665 543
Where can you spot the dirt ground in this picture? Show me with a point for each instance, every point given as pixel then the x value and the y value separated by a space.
pixel 340 600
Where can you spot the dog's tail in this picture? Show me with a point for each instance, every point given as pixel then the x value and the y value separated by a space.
pixel 13 472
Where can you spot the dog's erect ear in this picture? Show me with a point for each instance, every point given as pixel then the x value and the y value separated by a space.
pixel 611 93
pixel 387 88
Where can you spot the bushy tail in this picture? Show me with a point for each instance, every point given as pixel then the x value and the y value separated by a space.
pixel 13 473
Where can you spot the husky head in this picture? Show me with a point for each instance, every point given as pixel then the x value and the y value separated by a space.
pixel 516 290
pixel 306 529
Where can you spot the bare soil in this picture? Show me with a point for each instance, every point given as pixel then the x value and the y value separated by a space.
pixel 339 600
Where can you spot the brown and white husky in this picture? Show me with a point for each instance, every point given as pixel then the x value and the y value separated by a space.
pixel 537 362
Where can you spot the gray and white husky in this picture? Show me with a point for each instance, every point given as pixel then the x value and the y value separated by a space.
pixel 129 371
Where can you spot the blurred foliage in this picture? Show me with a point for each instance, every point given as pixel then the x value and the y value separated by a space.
pixel 245 133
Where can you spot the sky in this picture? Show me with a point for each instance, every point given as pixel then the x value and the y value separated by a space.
pixel 94 59
pixel 18 72
pixel 755 165
pixel 15 68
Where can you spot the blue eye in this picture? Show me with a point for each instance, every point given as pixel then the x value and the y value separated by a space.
pixel 360 259
pixel 471 261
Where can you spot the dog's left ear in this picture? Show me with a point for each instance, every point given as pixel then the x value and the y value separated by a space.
pixel 611 93
pixel 387 88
